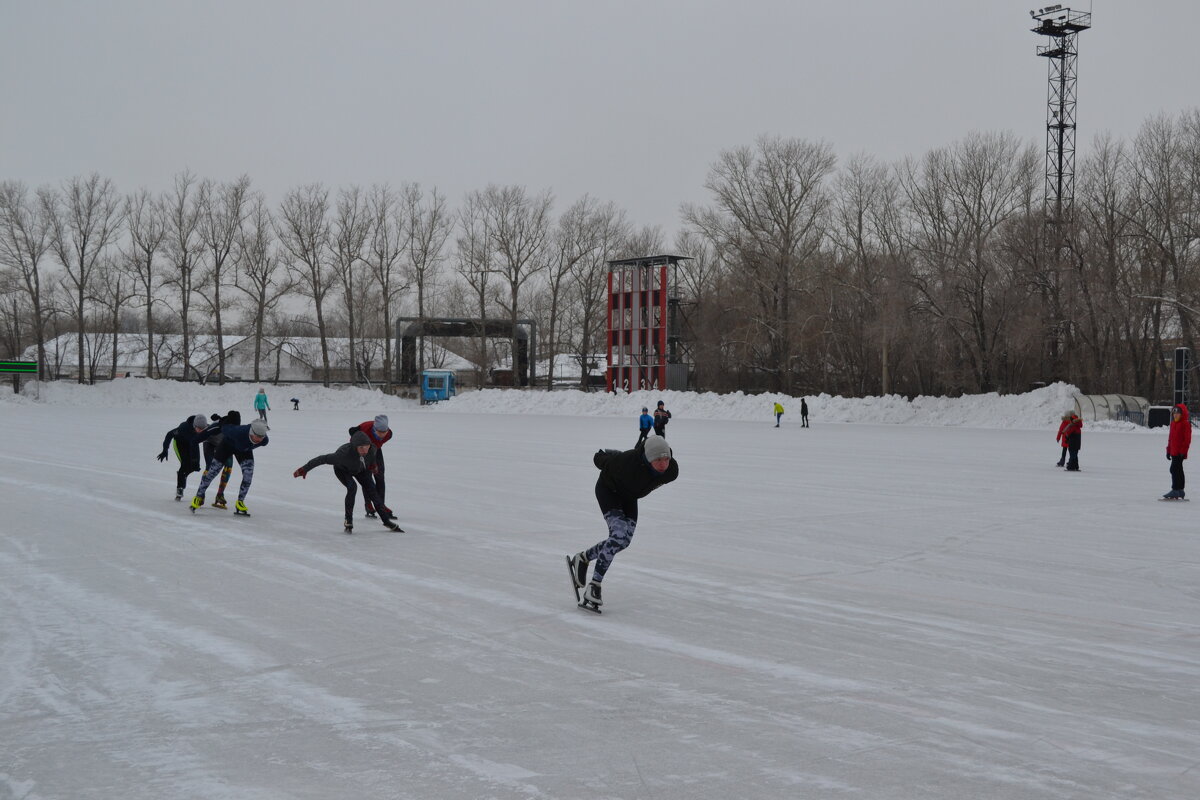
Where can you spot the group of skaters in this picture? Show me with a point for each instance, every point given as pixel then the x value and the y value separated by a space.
pixel 223 439
pixel 1179 439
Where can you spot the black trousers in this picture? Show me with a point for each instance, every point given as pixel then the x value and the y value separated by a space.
pixel 189 462
pixel 352 482
pixel 1073 443
pixel 1177 473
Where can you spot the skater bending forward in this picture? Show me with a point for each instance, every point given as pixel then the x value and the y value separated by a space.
pixel 352 464
pixel 625 478
pixel 237 441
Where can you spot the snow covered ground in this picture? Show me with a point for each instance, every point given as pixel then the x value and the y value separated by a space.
pixel 928 610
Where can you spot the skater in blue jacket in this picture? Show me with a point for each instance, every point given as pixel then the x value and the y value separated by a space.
pixel 645 425
pixel 240 442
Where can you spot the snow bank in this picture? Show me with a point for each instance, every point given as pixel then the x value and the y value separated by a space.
pixel 1036 409
pixel 1033 410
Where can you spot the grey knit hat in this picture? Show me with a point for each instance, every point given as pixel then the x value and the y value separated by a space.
pixel 359 439
pixel 656 448
pixel 200 421
pixel 381 423
pixel 259 428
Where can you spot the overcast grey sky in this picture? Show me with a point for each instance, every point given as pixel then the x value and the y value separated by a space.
pixel 628 101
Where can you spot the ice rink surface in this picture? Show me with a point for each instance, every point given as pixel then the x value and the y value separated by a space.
pixel 852 610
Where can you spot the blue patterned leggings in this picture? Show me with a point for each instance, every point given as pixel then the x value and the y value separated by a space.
pixel 621 517
pixel 246 462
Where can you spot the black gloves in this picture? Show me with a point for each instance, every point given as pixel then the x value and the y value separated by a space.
pixel 163 456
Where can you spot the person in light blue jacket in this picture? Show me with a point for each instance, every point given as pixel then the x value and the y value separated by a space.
pixel 645 425
pixel 261 404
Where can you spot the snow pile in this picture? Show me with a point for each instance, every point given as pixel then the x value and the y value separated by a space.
pixel 192 397
pixel 1033 410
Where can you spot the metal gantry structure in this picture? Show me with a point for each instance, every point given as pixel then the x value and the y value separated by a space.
pixel 1061 27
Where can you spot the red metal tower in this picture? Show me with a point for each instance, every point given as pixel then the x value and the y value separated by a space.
pixel 643 340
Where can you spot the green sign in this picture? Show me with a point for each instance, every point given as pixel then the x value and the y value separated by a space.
pixel 19 366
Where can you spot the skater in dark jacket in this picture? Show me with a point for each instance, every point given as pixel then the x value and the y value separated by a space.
pixel 210 452
pixel 661 418
pixel 185 439
pixel 1073 436
pixel 1061 438
pixel 1179 439
pixel 625 478
pixel 352 463
pixel 378 431
pixel 645 425
pixel 240 442
pixel 803 413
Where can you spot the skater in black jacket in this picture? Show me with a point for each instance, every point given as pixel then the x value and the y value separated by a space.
pixel 352 462
pixel 661 418
pixel 185 438
pixel 625 478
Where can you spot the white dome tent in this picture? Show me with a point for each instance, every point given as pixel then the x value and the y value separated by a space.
pixel 1103 407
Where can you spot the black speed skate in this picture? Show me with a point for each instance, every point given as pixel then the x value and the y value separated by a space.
pixel 348 525
pixel 391 525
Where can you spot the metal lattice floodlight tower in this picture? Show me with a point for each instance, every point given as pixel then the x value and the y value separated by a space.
pixel 645 345
pixel 1060 26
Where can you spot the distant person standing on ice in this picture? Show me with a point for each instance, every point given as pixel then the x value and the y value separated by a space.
pixel 1073 436
pixel 1062 439
pixel 1179 438
pixel 803 413
pixel 645 425
pixel 261 405
pixel 778 413
pixel 661 418
pixel 625 477
pixel 185 438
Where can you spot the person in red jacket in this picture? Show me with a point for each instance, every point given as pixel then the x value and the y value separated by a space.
pixel 1062 440
pixel 378 431
pixel 1073 437
pixel 1179 437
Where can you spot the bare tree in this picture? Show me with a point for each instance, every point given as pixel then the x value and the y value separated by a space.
pixel 587 287
pixel 959 198
pixel 351 228
pixel 84 218
pixel 384 249
pixel 518 227
pixel 147 232
pixel 473 263
pixel 767 221
pixel 115 287
pixel 429 224
pixel 303 231
pixel 25 236
pixel 573 238
pixel 184 247
pixel 222 212
pixel 258 275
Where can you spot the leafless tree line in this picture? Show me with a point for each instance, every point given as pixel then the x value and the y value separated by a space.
pixel 934 275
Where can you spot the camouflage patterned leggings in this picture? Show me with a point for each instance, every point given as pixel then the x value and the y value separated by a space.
pixel 217 465
pixel 620 534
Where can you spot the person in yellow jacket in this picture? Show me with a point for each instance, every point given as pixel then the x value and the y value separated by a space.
pixel 778 413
